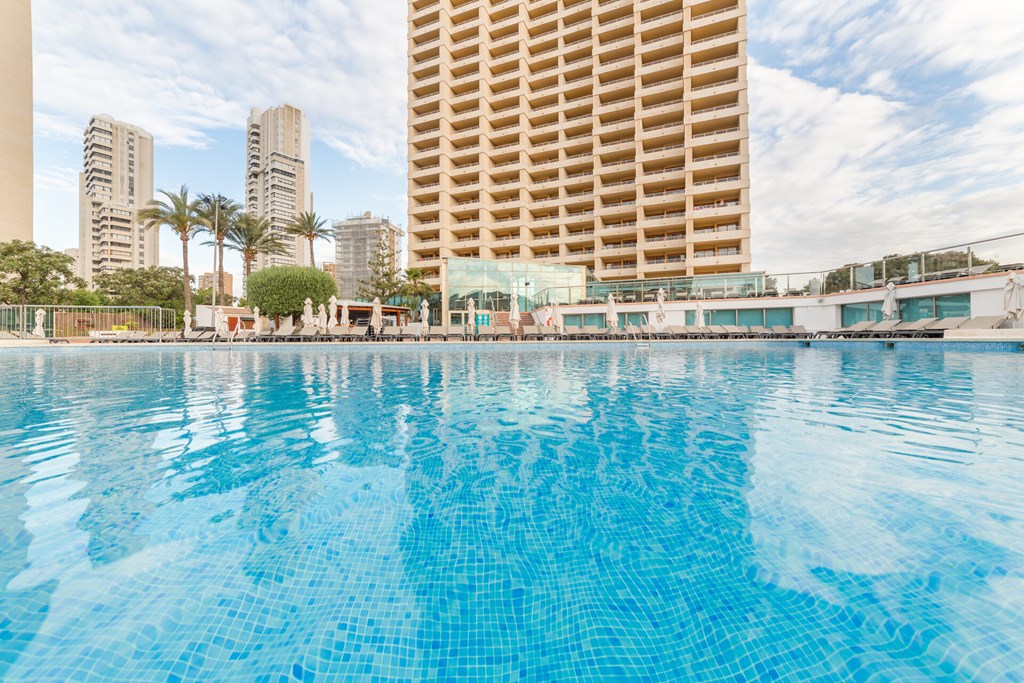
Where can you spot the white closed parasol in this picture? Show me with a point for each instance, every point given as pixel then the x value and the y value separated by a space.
pixel 333 322
pixel 611 316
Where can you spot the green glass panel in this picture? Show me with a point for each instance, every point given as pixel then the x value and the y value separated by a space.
pixel 750 317
pixel 778 316
pixel 722 317
pixel 854 313
pixel 953 306
pixel 917 309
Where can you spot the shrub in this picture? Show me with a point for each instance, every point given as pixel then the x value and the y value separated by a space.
pixel 283 290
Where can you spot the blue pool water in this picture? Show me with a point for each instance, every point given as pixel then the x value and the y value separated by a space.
pixel 542 513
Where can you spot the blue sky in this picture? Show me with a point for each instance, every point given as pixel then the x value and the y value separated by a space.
pixel 875 126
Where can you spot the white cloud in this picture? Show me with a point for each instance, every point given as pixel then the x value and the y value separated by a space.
pixel 57 179
pixel 882 127
pixel 182 69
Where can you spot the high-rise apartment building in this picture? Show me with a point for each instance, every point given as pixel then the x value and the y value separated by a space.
pixel 209 280
pixel 605 133
pixel 355 242
pixel 277 182
pixel 116 183
pixel 16 113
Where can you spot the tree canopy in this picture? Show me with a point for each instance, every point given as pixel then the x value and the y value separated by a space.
pixel 384 281
pixel 154 286
pixel 900 266
pixel 31 274
pixel 282 290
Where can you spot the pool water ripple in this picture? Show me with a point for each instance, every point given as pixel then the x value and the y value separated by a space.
pixel 537 513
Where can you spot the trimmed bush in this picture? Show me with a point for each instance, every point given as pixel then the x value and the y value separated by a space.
pixel 282 290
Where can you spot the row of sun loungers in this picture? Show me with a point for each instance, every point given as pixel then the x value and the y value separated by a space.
pixel 887 329
pixel 918 329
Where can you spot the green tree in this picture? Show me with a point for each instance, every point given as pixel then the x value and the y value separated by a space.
pixel 415 287
pixel 181 216
pixel 218 213
pixel 310 227
pixel 282 290
pixel 31 274
pixel 900 266
pixel 384 281
pixel 251 236
pixel 154 286
pixel 87 297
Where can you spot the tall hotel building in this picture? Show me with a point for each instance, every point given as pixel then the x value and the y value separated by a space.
pixel 16 113
pixel 277 176
pixel 116 183
pixel 605 133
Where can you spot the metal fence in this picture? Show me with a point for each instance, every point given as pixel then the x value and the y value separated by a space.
pixel 79 321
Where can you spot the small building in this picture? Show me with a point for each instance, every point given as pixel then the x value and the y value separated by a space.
pixel 209 281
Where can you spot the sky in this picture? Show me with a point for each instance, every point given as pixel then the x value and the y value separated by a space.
pixel 877 126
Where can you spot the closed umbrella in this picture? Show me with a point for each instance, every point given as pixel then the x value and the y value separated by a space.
pixel 187 320
pixel 889 303
pixel 333 322
pixel 611 316
pixel 257 322
pixel 659 314
pixel 307 313
pixel 220 322
pixel 344 314
pixel 471 314
pixel 424 318
pixel 321 318
pixel 513 314
pixel 698 315
pixel 39 331
pixel 1013 298
pixel 377 317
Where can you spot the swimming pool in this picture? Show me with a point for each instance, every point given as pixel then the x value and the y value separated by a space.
pixel 533 513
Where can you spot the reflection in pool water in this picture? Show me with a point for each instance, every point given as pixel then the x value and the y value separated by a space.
pixel 536 513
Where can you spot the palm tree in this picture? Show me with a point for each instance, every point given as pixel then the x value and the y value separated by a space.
pixel 415 286
pixel 251 236
pixel 181 216
pixel 219 213
pixel 309 226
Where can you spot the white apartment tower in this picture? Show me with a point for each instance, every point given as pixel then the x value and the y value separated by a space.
pixel 277 182
pixel 116 182
pixel 605 133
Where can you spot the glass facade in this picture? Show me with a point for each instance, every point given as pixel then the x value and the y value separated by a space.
pixel 763 317
pixel 911 310
pixel 858 313
pixel 492 284
pixel 949 306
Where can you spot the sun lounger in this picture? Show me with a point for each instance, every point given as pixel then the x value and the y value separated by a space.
pixel 503 332
pixel 280 334
pixel 594 332
pixel 941 326
pixel 390 333
pixel 910 329
pixel 848 331
pixel 358 333
pixel 486 332
pixel 456 332
pixel 437 332
pixel 410 332
pixel 338 332
pixel 881 330
pixel 985 322
pixel 532 332
pixel 573 332
pixel 244 335
pixel 800 332
pixel 548 332
pixel 758 332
